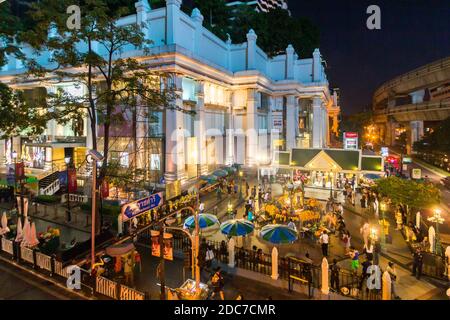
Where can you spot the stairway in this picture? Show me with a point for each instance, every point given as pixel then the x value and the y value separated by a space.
pixel 49 184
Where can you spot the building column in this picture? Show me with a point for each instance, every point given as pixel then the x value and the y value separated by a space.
pixel 291 122
pixel 141 134
pixel 252 128
pixel 172 20
pixel 199 129
pixel 325 129
pixel 230 131
pixel 317 123
pixel 416 131
pixel 175 164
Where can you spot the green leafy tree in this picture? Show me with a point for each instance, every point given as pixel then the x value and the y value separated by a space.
pixel 409 193
pixel 435 140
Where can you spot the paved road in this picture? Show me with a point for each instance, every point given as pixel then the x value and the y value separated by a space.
pixel 16 284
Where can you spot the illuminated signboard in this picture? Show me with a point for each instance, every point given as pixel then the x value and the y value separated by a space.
pixel 351 140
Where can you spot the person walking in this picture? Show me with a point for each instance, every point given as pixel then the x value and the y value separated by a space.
pixel 393 274
pixel 369 250
pixel 324 240
pixel 365 232
pixel 354 255
pixel 209 257
pixel 346 238
pixel 128 272
pixel 201 207
pixel 334 280
pixel 364 275
pixel 217 282
pixel 417 264
pixel 291 225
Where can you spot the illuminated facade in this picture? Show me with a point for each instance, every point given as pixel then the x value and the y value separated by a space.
pixel 246 104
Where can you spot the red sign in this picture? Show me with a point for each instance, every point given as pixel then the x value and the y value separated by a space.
pixel 72 180
pixel 20 170
pixel 104 189
pixel 351 134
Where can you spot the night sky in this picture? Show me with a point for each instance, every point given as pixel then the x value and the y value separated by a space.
pixel 413 33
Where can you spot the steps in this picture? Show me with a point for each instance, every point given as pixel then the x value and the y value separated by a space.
pixel 49 185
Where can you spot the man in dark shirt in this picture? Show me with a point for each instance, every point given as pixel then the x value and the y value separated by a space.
pixel 417 263
pixel 335 275
pixel 365 266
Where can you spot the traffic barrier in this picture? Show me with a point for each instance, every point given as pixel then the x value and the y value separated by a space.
pixel 43 261
pixel 106 287
pixel 127 293
pixel 7 246
pixel 27 255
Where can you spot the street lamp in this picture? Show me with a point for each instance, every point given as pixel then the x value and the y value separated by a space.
pixel 67 161
pixel 96 157
pixel 240 188
pixel 22 206
pixel 437 218
pixel 383 208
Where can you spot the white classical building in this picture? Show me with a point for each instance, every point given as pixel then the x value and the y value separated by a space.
pixel 246 104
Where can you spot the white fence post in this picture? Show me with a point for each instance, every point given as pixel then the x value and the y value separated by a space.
pixel 274 263
pixel 231 262
pixel 325 285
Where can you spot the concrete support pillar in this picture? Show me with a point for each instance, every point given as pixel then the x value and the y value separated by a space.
pixel 230 131
pixel 386 286
pixel 251 49
pixel 274 263
pixel 172 20
pixel 175 164
pixel 199 130
pixel 252 124
pixel 416 131
pixel 325 129
pixel 325 283
pixel 291 122
pixel 231 245
pixel 317 123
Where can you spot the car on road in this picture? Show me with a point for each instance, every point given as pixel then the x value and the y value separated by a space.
pixel 446 182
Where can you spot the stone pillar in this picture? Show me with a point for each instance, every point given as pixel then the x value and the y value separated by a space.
pixel 230 131
pixel 325 283
pixel 447 256
pixel 432 239
pixel 290 62
pixel 317 66
pixel 175 169
pixel 418 217
pixel 325 129
pixel 142 156
pixel 172 17
pixel 197 17
pixel 317 123
pixel 199 130
pixel 251 49
pixel 142 9
pixel 274 263
pixel 291 122
pixel 386 286
pixel 231 245
pixel 252 124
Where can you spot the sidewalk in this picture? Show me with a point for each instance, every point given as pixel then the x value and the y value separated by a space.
pixel 407 286
pixel 175 276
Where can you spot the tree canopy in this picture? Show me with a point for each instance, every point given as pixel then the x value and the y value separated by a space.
pixel 412 193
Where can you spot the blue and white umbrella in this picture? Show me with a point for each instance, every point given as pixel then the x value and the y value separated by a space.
pixel 278 234
pixel 205 220
pixel 220 173
pixel 237 227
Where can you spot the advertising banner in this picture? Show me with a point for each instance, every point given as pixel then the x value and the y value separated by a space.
pixel 20 170
pixel 72 180
pixel 104 189
pixel 137 207
pixel 167 245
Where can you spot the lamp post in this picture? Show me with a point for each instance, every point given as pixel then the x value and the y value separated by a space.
pixel 240 180
pixel 383 234
pixel 67 161
pixel 437 219
pixel 96 156
pixel 22 206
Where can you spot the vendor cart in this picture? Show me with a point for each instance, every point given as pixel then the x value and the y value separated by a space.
pixel 187 291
